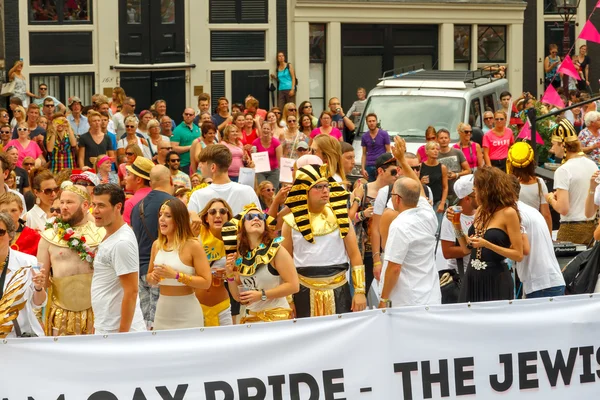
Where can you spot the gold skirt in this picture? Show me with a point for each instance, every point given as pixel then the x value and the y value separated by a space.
pixel 69 311
pixel 274 314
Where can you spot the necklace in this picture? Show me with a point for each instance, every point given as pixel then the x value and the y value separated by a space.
pixel 477 263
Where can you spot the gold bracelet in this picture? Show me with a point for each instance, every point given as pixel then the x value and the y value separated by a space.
pixel 376 263
pixel 358 279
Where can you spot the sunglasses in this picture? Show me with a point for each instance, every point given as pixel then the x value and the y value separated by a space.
pixel 307 107
pixel 292 109
pixel 269 190
pixel 49 191
pixel 302 149
pixel 28 164
pixel 43 88
pixel 2 232
pixel 22 129
pixel 321 186
pixel 188 114
pixel 84 183
pixel 467 131
pixel 291 121
pixel 176 160
pixel 54 210
pixel 277 112
pixel 488 118
pixel 49 105
pixel 166 148
pixel 129 154
pixel 499 119
pixel 214 211
pixel 394 172
pixel 5 132
pixel 4 115
pixel 416 168
pixel 129 126
pixel 251 216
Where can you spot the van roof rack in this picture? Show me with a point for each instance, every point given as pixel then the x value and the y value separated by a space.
pixel 478 77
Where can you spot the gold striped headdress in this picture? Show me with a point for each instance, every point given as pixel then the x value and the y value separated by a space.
pixel 564 132
pixel 520 155
pixel 231 228
pixel 297 200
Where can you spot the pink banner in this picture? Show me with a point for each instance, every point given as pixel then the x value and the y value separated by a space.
pixel 567 68
pixel 526 133
pixel 552 97
pixel 590 33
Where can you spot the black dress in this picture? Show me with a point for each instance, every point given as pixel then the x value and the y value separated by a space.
pixel 493 282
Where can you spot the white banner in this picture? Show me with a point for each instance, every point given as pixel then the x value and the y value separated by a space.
pixel 531 349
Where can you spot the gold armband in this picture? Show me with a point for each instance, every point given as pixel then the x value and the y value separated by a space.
pixel 358 279
pixel 290 299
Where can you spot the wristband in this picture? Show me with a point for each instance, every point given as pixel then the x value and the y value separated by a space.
pixel 376 263
pixel 358 279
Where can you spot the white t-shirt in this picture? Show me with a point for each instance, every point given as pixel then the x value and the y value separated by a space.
pixel 530 194
pixel 540 269
pixel 117 255
pixel 447 234
pixel 411 243
pixel 574 176
pixel 235 194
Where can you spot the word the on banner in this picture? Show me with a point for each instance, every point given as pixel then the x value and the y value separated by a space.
pixel 531 349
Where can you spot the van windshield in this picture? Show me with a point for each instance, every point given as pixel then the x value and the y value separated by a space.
pixel 409 116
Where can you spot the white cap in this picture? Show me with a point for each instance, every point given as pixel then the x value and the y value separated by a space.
pixel 463 186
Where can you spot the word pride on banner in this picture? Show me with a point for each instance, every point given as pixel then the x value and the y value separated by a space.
pixel 539 349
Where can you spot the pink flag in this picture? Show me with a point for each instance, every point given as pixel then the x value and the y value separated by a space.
pixel 552 97
pixel 567 68
pixel 526 133
pixel 590 33
pixel 598 4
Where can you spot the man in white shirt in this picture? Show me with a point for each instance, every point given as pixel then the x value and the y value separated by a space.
pixel 214 163
pixel 115 298
pixel 539 271
pixel 409 275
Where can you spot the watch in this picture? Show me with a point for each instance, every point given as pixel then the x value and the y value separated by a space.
pixel 264 295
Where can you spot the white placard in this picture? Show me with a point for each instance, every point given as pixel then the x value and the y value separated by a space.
pixel 246 176
pixel 286 170
pixel 261 162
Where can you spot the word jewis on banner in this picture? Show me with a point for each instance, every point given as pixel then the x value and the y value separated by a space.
pixel 532 349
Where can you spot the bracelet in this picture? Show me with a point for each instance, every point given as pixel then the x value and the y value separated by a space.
pixel 37 289
pixel 358 278
pixel 382 300
pixel 230 279
pixel 376 263
pixel 376 254
pixel 592 192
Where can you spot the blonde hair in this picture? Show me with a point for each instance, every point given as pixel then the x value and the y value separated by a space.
pixel 131 119
pixel 430 145
pixel 135 149
pixel 461 127
pixel 332 153
pixel 284 113
pixel 227 131
pixel 22 112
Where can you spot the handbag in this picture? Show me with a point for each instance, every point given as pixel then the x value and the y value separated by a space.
pixel 581 273
pixel 8 88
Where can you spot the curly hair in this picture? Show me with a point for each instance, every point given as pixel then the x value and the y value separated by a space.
pixel 495 192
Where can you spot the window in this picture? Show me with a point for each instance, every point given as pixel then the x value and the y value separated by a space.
pixel 491 43
pixel 237 46
pixel 318 56
pixel 462 43
pixel 489 102
pixel 60 11
pixel 239 11
pixel 475 113
pixel 550 7
pixel 63 86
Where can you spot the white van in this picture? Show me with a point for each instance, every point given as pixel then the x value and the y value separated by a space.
pixel 406 104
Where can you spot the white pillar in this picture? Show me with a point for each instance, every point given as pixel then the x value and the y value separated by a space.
pixel 474 47
pixel 514 58
pixel 302 58
pixel 446 47
pixel 333 64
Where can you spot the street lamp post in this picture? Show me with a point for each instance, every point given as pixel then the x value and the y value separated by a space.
pixel 567 10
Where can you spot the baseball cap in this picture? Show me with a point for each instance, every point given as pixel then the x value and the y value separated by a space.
pixel 302 145
pixel 463 186
pixel 385 158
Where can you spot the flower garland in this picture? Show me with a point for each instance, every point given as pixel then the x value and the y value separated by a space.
pixel 75 241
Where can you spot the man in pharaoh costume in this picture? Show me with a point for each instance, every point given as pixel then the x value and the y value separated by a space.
pixel 323 244
pixel 68 248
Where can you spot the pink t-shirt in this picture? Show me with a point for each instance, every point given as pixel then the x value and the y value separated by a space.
pixel 271 150
pixel 132 201
pixel 498 145
pixel 422 153
pixel 32 150
pixel 335 132
pixel 237 159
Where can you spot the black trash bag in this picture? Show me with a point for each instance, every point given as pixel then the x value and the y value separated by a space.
pixel 581 273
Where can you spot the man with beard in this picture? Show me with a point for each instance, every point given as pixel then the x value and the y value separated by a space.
pixel 69 310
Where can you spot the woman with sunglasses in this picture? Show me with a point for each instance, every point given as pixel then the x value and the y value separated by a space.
pixel 306 108
pixel 471 150
pixel 61 144
pixel 132 151
pixel 26 239
pixel 435 175
pixel 18 116
pixel 497 141
pixel 178 264
pixel 25 145
pixel 104 170
pixel 291 137
pixel 215 301
pixel 288 109
pixel 266 193
pixel 551 64
pixel 46 190
pixel 430 136
pixel 132 138
pixel 264 275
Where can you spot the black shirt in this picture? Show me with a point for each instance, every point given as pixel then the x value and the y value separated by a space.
pixel 152 203
pixel 435 179
pixel 93 149
pixel 22 179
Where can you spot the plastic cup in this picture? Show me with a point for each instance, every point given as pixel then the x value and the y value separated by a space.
pixel 242 289
pixel 457 211
pixel 37 268
pixel 217 275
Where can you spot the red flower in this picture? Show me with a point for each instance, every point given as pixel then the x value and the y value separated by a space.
pixel 82 238
pixel 91 253
pixel 67 236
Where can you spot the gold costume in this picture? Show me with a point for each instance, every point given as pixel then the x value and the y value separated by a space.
pixel 69 309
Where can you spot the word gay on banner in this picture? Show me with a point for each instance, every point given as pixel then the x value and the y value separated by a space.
pixel 529 349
